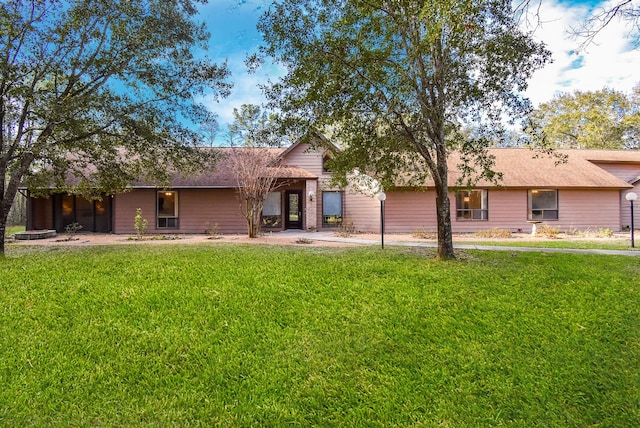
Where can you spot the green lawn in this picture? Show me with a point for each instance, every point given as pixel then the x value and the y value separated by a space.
pixel 217 335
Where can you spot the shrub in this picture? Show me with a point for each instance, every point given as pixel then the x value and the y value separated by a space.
pixel 346 228
pixel 140 224
pixel 72 228
pixel 422 233
pixel 493 233
pixel 213 230
pixel 548 231
pixel 603 232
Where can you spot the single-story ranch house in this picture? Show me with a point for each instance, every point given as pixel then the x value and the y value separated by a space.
pixel 586 192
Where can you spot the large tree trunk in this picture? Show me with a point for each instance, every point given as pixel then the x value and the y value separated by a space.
pixel 445 236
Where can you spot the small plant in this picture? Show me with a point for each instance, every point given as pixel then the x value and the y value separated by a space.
pixel 304 241
pixel 548 231
pixel 493 233
pixel 603 232
pixel 72 228
pixel 422 233
pixel 140 224
pixel 346 228
pixel 213 230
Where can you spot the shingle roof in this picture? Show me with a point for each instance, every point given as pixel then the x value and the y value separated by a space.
pixel 222 175
pixel 526 168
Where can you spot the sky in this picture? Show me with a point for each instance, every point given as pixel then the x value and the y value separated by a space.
pixel 611 61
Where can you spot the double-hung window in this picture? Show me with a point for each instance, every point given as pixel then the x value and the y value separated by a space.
pixel 542 204
pixel 472 205
pixel 331 208
pixel 167 209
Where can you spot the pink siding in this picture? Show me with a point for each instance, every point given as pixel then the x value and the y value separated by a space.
pixel 363 210
pixel 196 207
pixel 625 209
pixel 309 159
pixel 624 171
pixel 408 211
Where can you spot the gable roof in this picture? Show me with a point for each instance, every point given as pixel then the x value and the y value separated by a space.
pixel 222 176
pixel 525 168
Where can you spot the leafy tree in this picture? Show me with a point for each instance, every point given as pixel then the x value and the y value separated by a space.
pixel 255 166
pixel 106 83
pixel 256 171
pixel 253 127
pixel 396 83
pixel 604 119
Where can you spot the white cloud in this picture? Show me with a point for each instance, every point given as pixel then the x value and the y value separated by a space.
pixel 610 61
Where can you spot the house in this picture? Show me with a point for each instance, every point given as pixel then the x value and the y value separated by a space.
pixel 585 192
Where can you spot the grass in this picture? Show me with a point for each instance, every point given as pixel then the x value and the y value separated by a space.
pixel 216 335
pixel 14 229
pixel 600 244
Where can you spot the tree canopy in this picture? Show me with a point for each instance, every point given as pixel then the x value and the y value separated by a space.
pixel 604 119
pixel 106 83
pixel 397 83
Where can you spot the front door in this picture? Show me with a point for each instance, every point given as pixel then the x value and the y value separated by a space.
pixel 293 209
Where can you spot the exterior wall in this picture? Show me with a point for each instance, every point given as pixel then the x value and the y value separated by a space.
pixel 363 210
pixel 408 211
pixel 628 172
pixel 196 208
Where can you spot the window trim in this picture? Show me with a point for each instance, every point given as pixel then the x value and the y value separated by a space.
pixel 484 210
pixel 164 221
pixel 541 216
pixel 339 221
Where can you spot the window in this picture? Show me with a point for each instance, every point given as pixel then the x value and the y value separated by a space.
pixel 272 210
pixel 326 161
pixel 167 210
pixel 543 204
pixel 472 205
pixel 331 208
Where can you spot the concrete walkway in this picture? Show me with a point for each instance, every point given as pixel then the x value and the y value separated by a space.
pixel 330 237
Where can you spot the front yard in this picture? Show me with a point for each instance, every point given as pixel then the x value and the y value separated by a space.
pixel 236 335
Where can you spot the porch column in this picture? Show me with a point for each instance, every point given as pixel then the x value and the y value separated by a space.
pixel 311 206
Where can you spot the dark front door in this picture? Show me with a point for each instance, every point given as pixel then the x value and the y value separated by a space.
pixel 293 209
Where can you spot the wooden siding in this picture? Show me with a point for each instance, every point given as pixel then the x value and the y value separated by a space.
pixel 629 173
pixel 409 211
pixel 196 208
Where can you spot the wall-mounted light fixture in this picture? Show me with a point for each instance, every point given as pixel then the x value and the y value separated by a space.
pixel 312 194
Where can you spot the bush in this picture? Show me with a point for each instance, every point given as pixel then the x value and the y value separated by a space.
pixel 213 230
pixel 493 233
pixel 422 233
pixel 548 231
pixel 346 228
pixel 140 224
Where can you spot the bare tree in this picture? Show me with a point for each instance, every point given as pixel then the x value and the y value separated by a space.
pixel 256 171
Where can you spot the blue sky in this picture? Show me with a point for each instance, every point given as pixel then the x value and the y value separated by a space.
pixel 610 62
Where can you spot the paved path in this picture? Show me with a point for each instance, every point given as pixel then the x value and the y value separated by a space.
pixel 330 237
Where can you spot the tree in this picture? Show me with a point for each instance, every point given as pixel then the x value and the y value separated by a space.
pixel 102 83
pixel 254 127
pixel 604 119
pixel 256 167
pixel 625 10
pixel 396 83
pixel 256 171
